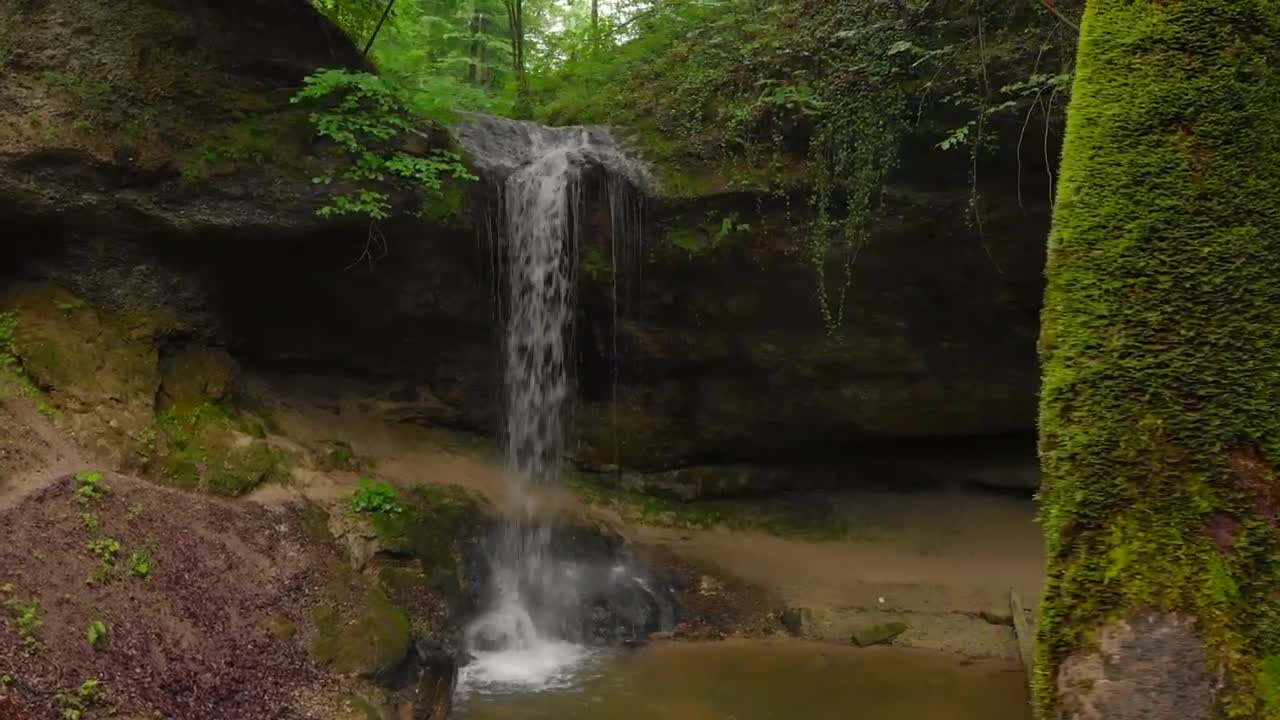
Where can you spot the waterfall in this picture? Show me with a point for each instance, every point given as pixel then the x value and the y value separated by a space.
pixel 543 179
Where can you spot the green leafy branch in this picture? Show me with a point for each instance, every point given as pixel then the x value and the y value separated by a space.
pixel 369 119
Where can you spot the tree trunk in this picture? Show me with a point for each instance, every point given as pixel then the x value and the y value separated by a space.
pixel 1160 409
pixel 595 24
pixel 381 21
pixel 475 49
pixel 515 15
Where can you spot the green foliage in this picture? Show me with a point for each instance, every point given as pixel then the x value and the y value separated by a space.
pixel 140 563
pixel 96 634
pixel 11 372
pixel 105 549
pixel 26 618
pixel 367 118
pixel 8 329
pixel 1160 342
pixel 710 234
pixel 204 450
pixel 825 90
pixel 89 486
pixel 76 703
pixel 89 520
pixel 376 498
pixel 245 141
pixel 804 516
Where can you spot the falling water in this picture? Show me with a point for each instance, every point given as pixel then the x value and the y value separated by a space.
pixel 531 635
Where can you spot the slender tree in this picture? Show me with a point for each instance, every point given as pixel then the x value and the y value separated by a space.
pixel 515 19
pixel 1160 409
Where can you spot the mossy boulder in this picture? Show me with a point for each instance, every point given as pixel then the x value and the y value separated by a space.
pixel 372 642
pixel 216 448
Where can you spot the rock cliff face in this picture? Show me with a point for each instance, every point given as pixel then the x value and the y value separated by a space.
pixel 149 158
pixel 159 118
pixel 724 356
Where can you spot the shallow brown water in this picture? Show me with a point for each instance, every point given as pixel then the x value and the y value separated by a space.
pixel 773 680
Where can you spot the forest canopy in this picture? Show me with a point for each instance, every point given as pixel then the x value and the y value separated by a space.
pixel 711 77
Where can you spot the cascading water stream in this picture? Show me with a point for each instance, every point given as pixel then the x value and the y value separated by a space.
pixel 531 634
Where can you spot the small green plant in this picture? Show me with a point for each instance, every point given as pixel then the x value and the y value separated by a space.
pixel 135 512
pixel 89 520
pixel 96 634
pixel 7 681
pixel 89 486
pixel 140 563
pixel 376 498
pixel 105 549
pixel 76 703
pixel 39 556
pixel 26 617
pixel 247 141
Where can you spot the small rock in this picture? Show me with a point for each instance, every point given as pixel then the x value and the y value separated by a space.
pixel 878 634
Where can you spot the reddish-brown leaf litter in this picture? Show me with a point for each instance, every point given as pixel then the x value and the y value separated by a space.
pixel 189 625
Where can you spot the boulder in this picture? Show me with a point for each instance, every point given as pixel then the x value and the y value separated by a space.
pixel 373 643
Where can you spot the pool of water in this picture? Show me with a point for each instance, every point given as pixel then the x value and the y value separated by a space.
pixel 767 680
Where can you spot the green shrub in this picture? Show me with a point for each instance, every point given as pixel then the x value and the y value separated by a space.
pixel 140 563
pixel 376 498
pixel 90 485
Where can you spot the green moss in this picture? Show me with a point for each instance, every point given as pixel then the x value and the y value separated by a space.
pixel 804 516
pixel 249 140
pixel 1160 429
pixel 210 447
pixel 339 455
pixel 878 634
pixel 435 522
pixel 374 643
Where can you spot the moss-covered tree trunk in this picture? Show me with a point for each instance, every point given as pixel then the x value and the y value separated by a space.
pixel 1160 410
